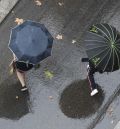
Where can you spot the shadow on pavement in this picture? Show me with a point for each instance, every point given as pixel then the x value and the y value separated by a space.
pixel 76 102
pixel 13 103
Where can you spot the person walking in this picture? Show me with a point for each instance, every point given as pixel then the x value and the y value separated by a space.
pixel 20 68
pixel 90 75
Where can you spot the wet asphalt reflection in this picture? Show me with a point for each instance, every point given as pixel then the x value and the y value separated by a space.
pixel 76 102
pixel 13 103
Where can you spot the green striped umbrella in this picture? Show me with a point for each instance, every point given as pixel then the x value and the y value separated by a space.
pixel 103 47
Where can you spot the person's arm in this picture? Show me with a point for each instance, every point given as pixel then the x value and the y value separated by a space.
pixel 14 59
pixel 85 59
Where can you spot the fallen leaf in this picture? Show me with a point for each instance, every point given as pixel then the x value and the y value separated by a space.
pixel 49 74
pixel 110 110
pixel 19 21
pixel 50 97
pixel 73 41
pixel 12 11
pixel 59 37
pixel 16 97
pixel 60 3
pixel 38 2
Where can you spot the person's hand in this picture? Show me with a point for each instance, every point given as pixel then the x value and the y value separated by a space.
pixel 11 63
pixel 100 71
pixel 85 59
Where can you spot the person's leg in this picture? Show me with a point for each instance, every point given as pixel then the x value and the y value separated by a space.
pixel 92 82
pixel 21 77
pixel 91 78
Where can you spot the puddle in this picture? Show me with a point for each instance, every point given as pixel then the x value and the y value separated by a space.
pixel 76 102
pixel 13 103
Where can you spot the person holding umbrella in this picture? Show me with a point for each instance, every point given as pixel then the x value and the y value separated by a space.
pixel 102 43
pixel 30 43
pixel 90 75
pixel 20 68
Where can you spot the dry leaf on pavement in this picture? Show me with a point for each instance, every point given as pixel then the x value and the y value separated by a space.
pixel 73 41
pixel 49 74
pixel 38 2
pixel 16 97
pixel 110 110
pixel 59 37
pixel 60 3
pixel 50 97
pixel 19 21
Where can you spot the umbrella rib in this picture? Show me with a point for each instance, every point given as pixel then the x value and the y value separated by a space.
pixel 96 47
pixel 112 32
pixel 117 46
pixel 102 31
pixel 95 41
pixel 116 35
pixel 107 30
pixel 98 35
pixel 98 53
pixel 102 59
pixel 108 60
pixel 117 41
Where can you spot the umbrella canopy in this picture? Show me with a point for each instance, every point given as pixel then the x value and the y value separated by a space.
pixel 31 42
pixel 103 47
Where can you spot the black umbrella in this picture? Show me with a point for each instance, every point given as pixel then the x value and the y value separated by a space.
pixel 103 47
pixel 31 42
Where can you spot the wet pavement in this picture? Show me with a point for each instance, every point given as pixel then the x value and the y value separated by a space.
pixel 13 103
pixel 76 102
pixel 63 100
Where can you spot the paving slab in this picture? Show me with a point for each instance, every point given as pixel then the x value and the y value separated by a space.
pixel 5 7
pixel 71 20
pixel 117 126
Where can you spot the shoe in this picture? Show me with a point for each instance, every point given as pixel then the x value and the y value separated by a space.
pixel 24 88
pixel 95 91
pixel 88 68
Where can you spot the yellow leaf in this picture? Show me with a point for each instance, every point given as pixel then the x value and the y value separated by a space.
pixel 19 21
pixel 49 74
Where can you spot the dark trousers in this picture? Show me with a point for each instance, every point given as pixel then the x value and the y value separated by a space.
pixel 91 78
pixel 91 70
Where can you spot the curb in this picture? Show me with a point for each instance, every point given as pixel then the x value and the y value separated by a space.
pixel 117 126
pixel 5 7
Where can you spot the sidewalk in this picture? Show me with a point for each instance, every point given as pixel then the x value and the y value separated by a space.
pixel 111 118
pixel 69 19
pixel 5 7
pixel 117 126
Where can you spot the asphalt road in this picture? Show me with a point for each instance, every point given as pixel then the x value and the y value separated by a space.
pixel 63 100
